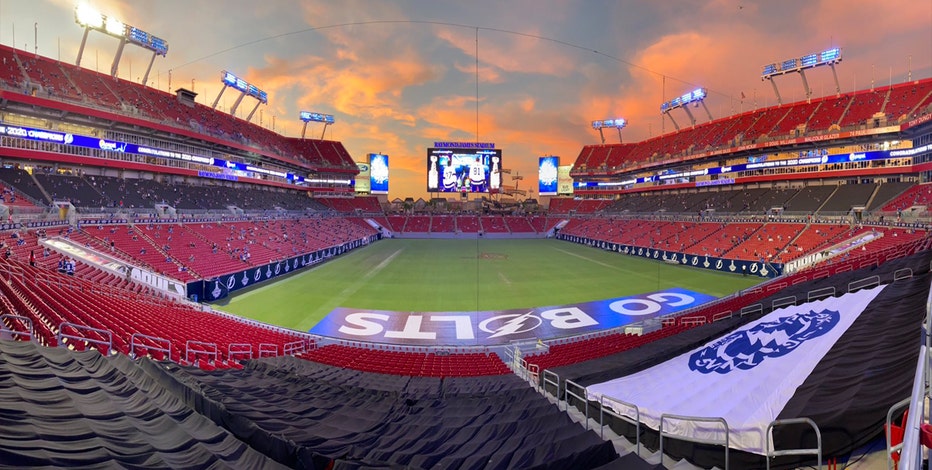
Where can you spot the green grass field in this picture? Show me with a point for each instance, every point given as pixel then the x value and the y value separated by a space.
pixel 467 275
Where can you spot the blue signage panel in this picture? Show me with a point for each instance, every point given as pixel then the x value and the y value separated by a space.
pixel 378 173
pixel 502 326
pixel 63 138
pixel 209 290
pixel 751 268
pixel 547 176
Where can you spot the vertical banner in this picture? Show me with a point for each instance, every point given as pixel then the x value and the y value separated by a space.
pixel 564 181
pixel 547 176
pixel 363 183
pixel 378 171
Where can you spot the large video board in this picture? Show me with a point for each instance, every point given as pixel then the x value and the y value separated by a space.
pixel 451 170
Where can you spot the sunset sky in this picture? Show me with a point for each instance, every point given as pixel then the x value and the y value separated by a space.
pixel 399 75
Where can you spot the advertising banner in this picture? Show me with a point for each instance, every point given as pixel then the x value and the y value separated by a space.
pixel 209 290
pixel 751 268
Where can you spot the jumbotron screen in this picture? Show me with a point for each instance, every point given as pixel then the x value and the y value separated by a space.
pixel 453 170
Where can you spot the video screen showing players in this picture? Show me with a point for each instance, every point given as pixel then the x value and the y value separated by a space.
pixel 463 170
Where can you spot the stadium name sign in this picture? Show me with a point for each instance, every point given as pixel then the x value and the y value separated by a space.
pixel 465 145
pixel 490 328
pixel 751 268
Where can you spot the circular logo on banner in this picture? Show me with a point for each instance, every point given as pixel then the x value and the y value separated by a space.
pixel 505 325
pixel 747 349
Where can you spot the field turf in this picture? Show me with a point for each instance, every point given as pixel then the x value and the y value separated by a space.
pixel 466 275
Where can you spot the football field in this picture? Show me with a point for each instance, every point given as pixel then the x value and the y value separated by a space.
pixel 466 275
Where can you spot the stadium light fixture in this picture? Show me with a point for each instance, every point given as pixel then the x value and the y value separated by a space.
pixel 695 97
pixel 828 57
pixel 617 123
pixel 93 20
pixel 246 89
pixel 308 116
pixel 115 27
pixel 86 16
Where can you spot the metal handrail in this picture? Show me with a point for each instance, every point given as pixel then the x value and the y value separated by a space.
pixel 268 350
pixel 888 431
pixel 871 281
pixel 26 320
pixel 912 451
pixel 61 335
pixel 211 351
pixel 567 393
pixel 636 421
pixel 768 438
pixel 294 347
pixel 134 343
pixel 822 293
pixel 664 417
pixel 239 349
pixel 783 302
pixel 555 383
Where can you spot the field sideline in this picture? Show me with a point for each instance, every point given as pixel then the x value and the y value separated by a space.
pixel 466 275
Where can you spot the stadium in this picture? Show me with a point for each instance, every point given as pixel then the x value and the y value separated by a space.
pixel 184 286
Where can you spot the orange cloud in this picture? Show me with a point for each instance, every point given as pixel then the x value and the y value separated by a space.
pixel 511 53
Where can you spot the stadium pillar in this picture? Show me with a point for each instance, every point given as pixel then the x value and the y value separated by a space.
pixel 692 119
pixel 837 86
pixel 706 108
pixel 115 67
pixel 217 99
pixel 254 108
pixel 776 91
pixel 238 101
pixel 145 78
pixel 81 49
pixel 677 126
pixel 802 75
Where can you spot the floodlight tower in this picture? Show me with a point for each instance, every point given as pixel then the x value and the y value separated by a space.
pixel 93 20
pixel 308 116
pixel 828 57
pixel 618 123
pixel 696 97
pixel 246 89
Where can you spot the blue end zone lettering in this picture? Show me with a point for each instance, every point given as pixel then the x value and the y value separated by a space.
pixel 503 326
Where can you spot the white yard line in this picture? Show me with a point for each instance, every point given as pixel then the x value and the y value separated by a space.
pixel 364 280
pixel 616 268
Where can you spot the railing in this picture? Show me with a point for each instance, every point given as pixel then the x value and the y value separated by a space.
pixel 161 344
pixel 698 419
pixel 892 448
pixel 294 347
pixel 239 350
pixel 567 394
pixel 6 330
pixel 865 283
pixel 84 329
pixel 783 302
pixel 822 293
pixel 268 350
pixel 636 421
pixel 206 349
pixel 903 273
pixel 768 440
pixel 551 378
